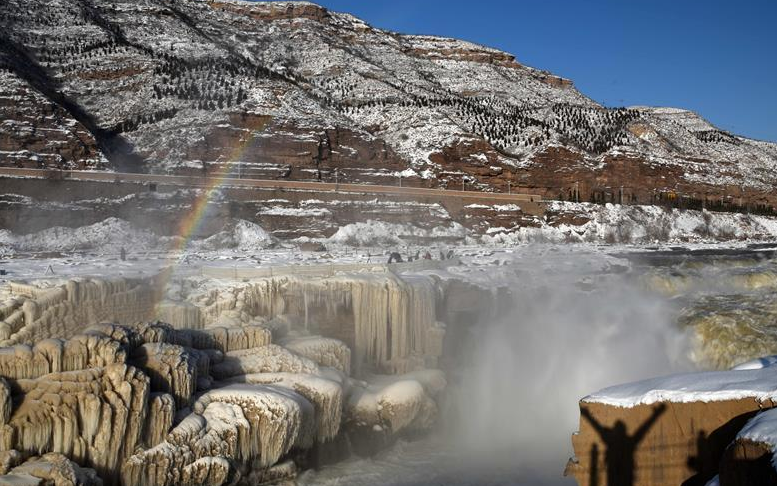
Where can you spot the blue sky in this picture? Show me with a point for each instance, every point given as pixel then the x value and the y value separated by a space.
pixel 718 58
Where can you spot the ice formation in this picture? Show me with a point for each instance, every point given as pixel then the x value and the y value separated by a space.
pixel 325 394
pixel 389 322
pixel 202 444
pixel 279 418
pixel 64 311
pixel 55 355
pixel 324 351
pixel 94 416
pixel 171 368
pixel 265 359
pixel 52 468
pixel 210 399
pixel 396 403
pixel 161 413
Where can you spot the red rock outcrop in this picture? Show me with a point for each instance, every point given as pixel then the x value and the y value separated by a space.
pixel 273 10
pixel 35 132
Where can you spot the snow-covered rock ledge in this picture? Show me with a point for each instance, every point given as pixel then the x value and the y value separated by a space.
pixel 709 386
pixel 680 429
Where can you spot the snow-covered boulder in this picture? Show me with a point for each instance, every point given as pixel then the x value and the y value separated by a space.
pixel 326 395
pixel 264 359
pixel 394 404
pixel 50 469
pixel 324 351
pixel 750 459
pixel 239 235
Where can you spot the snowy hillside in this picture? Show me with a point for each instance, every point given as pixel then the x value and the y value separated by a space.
pixel 292 90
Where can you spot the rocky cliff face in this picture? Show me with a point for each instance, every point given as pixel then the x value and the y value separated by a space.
pixel 292 90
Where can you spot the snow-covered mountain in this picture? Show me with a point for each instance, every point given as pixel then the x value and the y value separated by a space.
pixel 292 90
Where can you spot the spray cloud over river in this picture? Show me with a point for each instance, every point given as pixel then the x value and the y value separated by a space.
pixel 575 322
pixel 568 332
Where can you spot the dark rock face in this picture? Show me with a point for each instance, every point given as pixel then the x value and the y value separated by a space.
pixel 291 90
pixel 746 462
pixel 36 132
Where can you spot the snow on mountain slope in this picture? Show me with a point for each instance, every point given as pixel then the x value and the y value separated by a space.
pixel 292 90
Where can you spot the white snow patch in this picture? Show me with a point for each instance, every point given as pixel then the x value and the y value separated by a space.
pixel 242 235
pixel 108 236
pixel 615 223
pixel 708 386
pixel 757 364
pixel 380 233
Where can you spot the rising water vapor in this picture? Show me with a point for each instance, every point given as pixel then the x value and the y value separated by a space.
pixel 573 328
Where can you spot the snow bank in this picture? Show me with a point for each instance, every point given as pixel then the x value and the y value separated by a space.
pixel 380 233
pixel 240 235
pixel 757 364
pixel 709 386
pixel 615 223
pixel 112 234
pixel 107 236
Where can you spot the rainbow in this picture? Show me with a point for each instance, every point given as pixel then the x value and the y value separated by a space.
pixel 193 220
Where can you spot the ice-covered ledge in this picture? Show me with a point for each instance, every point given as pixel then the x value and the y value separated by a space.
pixel 709 386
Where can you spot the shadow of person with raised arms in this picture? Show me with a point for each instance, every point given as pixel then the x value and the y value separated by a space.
pixel 621 447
